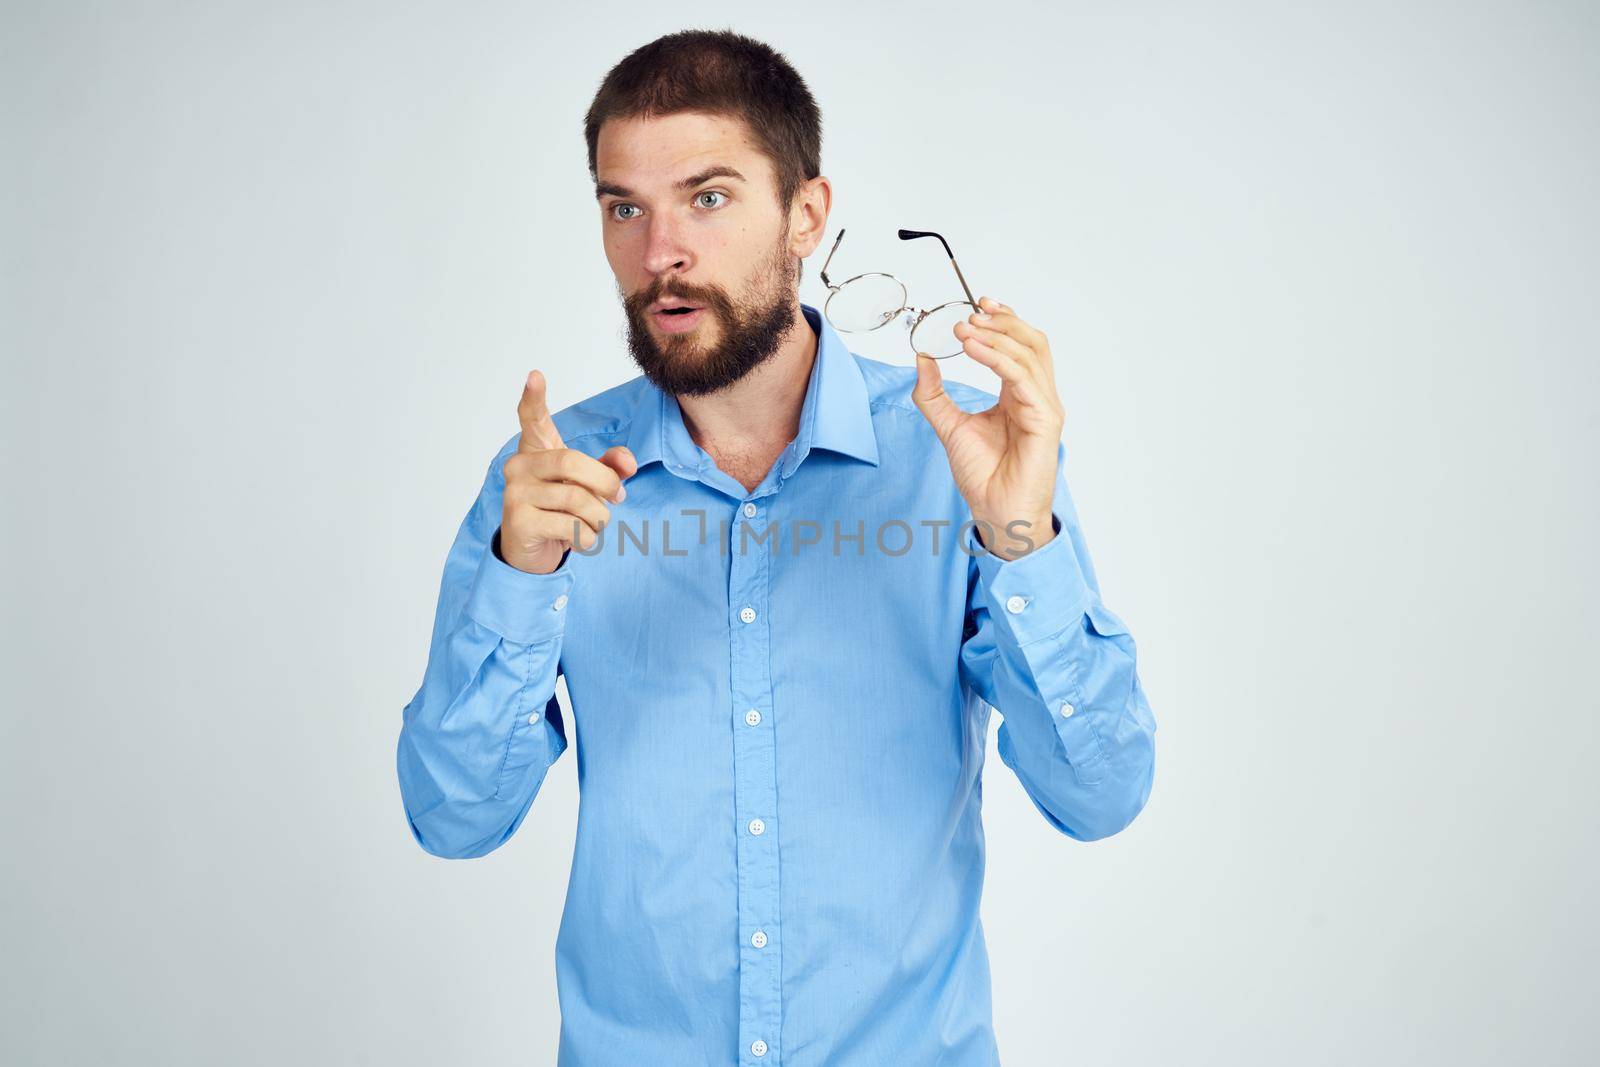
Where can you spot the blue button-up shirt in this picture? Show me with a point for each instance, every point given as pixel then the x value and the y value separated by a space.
pixel 779 700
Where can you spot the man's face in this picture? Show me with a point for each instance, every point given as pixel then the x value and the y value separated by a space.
pixel 678 235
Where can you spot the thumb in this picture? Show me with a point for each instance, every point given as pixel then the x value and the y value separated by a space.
pixel 931 399
pixel 620 459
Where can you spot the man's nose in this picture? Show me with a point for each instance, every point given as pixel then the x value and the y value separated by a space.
pixel 665 249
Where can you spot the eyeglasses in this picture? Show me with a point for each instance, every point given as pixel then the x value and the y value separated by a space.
pixel 869 301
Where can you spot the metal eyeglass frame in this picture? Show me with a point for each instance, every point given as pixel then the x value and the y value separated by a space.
pixel 911 321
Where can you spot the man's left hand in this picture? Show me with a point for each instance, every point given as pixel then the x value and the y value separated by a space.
pixel 1004 458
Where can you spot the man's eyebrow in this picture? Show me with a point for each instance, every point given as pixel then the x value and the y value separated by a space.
pixel 720 170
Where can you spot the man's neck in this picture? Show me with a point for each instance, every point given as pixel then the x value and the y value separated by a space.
pixel 746 426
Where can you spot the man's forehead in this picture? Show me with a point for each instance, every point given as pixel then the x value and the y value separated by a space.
pixel 659 151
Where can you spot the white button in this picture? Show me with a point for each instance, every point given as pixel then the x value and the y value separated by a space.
pixel 560 602
pixel 1015 603
pixel 759 1047
pixel 758 827
pixel 749 510
pixel 752 717
pixel 747 614
pixel 533 720
pixel 1066 709
pixel 758 939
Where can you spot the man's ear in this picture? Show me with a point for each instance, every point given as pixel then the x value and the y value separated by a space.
pixel 808 215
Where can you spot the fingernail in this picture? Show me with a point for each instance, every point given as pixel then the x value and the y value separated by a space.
pixel 983 316
pixel 622 491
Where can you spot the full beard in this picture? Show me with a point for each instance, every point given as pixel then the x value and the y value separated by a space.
pixel 752 330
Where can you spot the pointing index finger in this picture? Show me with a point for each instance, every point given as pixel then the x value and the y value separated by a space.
pixel 533 411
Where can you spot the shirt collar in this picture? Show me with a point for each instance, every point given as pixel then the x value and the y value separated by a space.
pixel 836 415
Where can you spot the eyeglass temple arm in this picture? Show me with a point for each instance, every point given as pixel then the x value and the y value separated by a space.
pixel 907 235
pixel 825 262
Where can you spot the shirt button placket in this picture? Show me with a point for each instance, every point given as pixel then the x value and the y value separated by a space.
pixel 755 814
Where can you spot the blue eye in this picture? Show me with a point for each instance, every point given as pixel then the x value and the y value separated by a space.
pixel 698 199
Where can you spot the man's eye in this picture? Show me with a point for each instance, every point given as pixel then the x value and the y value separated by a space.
pixel 618 207
pixel 711 192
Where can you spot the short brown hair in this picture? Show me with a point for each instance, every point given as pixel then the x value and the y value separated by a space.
pixel 725 73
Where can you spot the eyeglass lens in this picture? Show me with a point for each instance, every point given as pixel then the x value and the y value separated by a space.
pixel 872 300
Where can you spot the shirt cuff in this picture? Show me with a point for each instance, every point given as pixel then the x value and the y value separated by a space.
pixel 521 607
pixel 1038 594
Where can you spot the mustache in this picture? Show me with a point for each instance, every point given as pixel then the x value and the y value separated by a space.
pixel 707 299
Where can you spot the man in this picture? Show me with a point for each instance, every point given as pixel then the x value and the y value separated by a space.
pixel 825 570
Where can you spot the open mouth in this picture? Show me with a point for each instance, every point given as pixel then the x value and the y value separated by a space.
pixel 678 319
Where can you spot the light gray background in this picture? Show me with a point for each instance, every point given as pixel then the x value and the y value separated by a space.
pixel 1320 286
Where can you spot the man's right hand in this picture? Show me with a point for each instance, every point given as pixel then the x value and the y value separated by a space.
pixel 554 493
